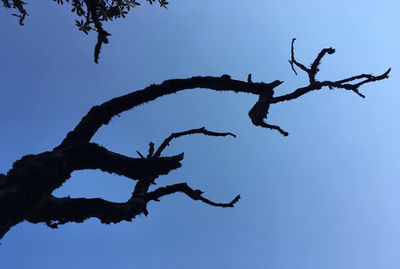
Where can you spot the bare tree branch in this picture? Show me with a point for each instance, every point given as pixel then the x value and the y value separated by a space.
pixel 293 61
pixel 184 188
pixel 140 154
pixel 151 150
pixel 317 85
pixel 102 114
pixel 201 130
pixel 57 211
pixel 143 184
pixel 314 66
pixel 25 191
pixel 259 112
pixel 340 84
pixel 35 177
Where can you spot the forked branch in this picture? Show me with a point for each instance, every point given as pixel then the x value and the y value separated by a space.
pixel 25 191
pixel 350 83
pixel 102 114
pixel 58 211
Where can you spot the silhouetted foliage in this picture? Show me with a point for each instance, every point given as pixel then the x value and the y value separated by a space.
pixel 93 13
pixel 26 189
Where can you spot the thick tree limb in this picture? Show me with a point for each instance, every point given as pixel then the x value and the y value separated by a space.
pixel 259 112
pixel 57 211
pixel 102 114
pixel 93 156
pixel 35 177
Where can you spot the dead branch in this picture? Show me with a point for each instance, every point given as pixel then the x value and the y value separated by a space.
pixel 184 188
pixel 25 191
pixel 201 130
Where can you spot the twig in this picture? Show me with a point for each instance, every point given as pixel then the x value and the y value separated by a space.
pixel 184 188
pixel 201 130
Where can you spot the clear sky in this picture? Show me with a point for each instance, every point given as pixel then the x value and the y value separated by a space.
pixel 327 196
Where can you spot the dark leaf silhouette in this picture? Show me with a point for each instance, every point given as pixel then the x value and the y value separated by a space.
pixel 94 13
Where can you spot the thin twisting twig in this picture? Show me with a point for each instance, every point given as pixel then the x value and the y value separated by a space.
pixel 151 150
pixel 140 154
pixel 201 130
pixel 184 188
pixel 293 60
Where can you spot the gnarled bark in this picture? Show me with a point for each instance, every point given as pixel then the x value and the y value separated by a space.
pixel 25 191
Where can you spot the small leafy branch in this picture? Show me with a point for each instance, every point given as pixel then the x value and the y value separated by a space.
pixel 93 13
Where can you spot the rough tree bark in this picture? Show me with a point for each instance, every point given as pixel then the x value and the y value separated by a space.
pixel 26 189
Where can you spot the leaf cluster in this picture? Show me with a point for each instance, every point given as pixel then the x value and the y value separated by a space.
pixel 102 10
pixel 91 14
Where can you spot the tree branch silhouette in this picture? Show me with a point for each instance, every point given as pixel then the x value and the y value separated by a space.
pixel 26 189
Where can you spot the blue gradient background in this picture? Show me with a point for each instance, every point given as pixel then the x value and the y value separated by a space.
pixel 327 196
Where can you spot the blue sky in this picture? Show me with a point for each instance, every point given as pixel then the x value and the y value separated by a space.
pixel 327 196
